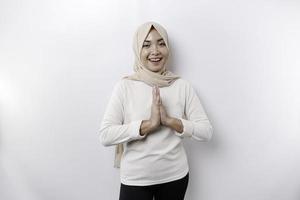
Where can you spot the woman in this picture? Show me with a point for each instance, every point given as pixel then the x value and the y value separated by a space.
pixel 148 115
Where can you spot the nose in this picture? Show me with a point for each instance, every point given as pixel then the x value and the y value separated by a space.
pixel 154 50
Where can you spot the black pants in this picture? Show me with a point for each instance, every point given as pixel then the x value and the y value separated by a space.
pixel 174 190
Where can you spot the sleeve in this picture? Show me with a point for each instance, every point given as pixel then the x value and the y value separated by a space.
pixel 112 130
pixel 196 125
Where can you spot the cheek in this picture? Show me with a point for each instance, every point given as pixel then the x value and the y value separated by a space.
pixel 167 55
pixel 144 55
pixel 165 52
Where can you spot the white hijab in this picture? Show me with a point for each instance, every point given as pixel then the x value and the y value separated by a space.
pixel 162 78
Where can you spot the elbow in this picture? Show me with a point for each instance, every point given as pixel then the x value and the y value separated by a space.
pixel 105 143
pixel 103 138
pixel 209 133
pixel 203 134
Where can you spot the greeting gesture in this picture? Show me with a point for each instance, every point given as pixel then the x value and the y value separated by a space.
pixel 159 116
pixel 154 122
pixel 156 103
pixel 168 121
pixel 164 118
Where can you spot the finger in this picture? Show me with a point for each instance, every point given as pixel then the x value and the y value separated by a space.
pixel 156 96
pixel 153 94
pixel 158 100
pixel 157 91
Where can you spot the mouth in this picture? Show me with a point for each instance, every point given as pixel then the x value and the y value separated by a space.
pixel 155 60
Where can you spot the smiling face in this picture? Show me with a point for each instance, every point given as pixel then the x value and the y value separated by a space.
pixel 154 52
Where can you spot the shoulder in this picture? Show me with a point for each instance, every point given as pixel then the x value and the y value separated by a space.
pixel 183 83
pixel 185 87
pixel 118 87
pixel 123 85
pixel 131 84
pixel 123 82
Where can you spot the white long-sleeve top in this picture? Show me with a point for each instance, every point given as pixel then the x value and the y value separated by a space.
pixel 160 156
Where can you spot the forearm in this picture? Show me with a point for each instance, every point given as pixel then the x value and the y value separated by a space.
pixel 146 127
pixel 111 132
pixel 175 124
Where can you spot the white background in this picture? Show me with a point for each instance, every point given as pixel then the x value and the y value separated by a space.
pixel 60 59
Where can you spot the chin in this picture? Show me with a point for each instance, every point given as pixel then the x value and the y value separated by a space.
pixel 155 68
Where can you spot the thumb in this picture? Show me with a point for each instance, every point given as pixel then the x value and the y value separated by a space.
pixel 158 100
pixel 153 94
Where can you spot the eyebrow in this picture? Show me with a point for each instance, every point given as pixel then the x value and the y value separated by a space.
pixel 157 40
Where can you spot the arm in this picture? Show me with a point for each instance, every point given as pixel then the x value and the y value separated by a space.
pixel 196 124
pixel 112 130
pixel 147 127
pixel 174 124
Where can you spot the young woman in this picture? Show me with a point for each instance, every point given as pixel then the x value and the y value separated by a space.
pixel 148 115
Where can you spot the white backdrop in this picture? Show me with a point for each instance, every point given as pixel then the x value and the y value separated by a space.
pixel 60 59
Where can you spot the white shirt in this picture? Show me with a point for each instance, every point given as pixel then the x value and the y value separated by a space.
pixel 160 156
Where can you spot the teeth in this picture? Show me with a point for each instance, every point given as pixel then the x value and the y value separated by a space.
pixel 155 59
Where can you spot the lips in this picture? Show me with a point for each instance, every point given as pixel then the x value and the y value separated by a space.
pixel 155 59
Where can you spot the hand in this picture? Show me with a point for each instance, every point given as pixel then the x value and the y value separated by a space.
pixel 164 118
pixel 173 123
pixel 155 111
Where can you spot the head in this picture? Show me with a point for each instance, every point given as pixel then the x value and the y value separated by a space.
pixel 151 47
pixel 154 52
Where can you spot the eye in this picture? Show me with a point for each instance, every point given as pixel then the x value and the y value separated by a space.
pixel 162 44
pixel 146 45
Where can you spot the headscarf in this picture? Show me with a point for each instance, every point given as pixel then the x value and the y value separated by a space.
pixel 162 78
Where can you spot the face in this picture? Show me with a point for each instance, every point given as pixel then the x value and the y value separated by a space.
pixel 154 53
